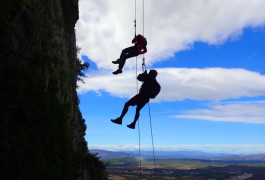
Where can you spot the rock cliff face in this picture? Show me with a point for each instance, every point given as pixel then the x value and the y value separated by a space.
pixel 42 130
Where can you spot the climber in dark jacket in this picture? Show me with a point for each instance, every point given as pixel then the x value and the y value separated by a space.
pixel 140 99
pixel 138 48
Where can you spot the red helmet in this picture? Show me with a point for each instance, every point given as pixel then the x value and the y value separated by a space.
pixel 154 72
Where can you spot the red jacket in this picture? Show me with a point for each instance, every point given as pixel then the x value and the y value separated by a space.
pixel 139 44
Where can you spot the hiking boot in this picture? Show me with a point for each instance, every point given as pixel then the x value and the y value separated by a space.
pixel 116 62
pixel 118 71
pixel 117 121
pixel 132 126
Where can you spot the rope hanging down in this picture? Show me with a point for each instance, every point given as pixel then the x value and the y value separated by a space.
pixel 143 62
pixel 143 70
pixel 139 133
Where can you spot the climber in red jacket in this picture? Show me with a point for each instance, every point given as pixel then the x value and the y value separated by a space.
pixel 138 48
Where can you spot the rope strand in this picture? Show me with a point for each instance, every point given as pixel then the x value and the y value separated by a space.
pixel 135 19
pixel 139 132
pixel 136 73
pixel 143 32
pixel 151 127
pixel 143 17
pixel 139 156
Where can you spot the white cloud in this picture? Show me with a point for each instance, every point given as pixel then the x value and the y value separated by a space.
pixel 105 27
pixel 246 112
pixel 182 83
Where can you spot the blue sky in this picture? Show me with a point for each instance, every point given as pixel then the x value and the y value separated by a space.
pixel 213 82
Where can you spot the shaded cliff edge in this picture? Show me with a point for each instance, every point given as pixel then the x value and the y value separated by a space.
pixel 41 129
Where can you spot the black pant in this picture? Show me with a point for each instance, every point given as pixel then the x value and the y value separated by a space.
pixel 139 100
pixel 127 53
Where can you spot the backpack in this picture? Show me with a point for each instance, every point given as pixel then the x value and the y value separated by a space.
pixel 155 90
pixel 145 42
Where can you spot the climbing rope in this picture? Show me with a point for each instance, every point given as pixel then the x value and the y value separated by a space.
pixel 151 127
pixel 134 18
pixel 143 17
pixel 143 62
pixel 143 65
pixel 139 132
pixel 143 69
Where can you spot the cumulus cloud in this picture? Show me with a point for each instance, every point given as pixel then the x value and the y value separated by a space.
pixel 105 27
pixel 246 112
pixel 182 83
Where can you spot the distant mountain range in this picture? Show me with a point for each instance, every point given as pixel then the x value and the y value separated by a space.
pixel 103 154
pixel 112 154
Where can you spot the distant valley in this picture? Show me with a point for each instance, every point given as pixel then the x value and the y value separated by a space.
pixel 182 165
pixel 179 155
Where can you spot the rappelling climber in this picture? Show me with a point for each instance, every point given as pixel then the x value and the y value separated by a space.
pixel 149 89
pixel 138 48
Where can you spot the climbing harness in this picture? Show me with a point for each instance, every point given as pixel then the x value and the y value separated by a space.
pixel 139 132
